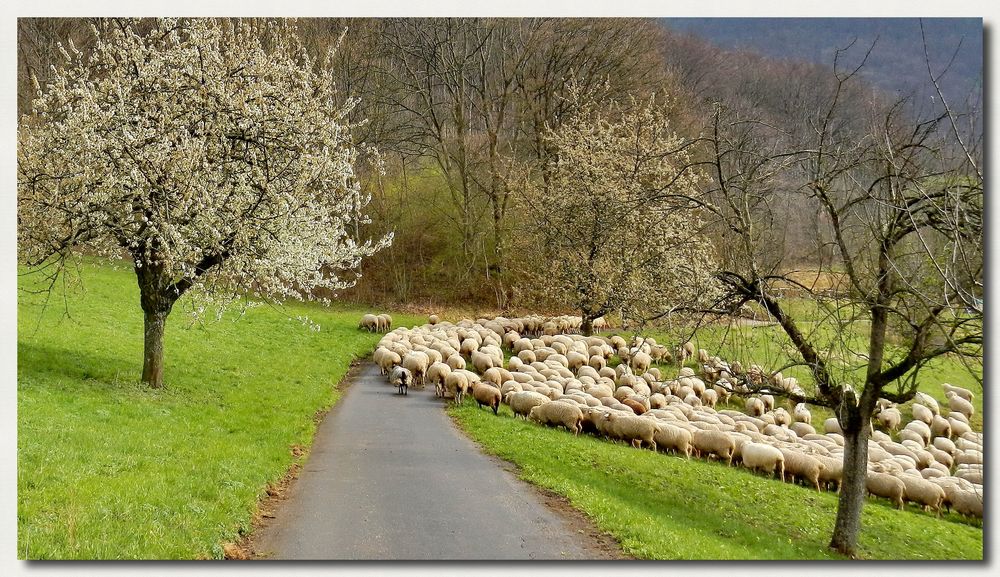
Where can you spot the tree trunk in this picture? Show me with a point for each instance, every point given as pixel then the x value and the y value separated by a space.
pixel 587 328
pixel 152 358
pixel 852 490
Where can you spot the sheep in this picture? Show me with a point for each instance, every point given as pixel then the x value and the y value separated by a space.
pixel 416 362
pixel 456 362
pixel 928 401
pixel 369 322
pixel 887 486
pixel 967 502
pixel 636 407
pixel 486 394
pixel 801 414
pixel 922 413
pixel 674 438
pixel 633 429
pixel 940 427
pixel 958 428
pixel 714 443
pixel 963 393
pixel 922 492
pixel 383 323
pixel 436 374
pixel 457 383
pixel 755 407
pixel 768 402
pixel 832 471
pixel 709 398
pixel 401 377
pixel 763 457
pixel 801 429
pixel 959 404
pixel 890 418
pixel 832 425
pixel 944 444
pixel 781 417
pixel 386 360
pixel 433 319
pixel 558 414
pixel 640 362
pixel 921 428
pixel 522 402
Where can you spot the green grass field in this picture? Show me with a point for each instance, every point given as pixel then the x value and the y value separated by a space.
pixel 110 469
pixel 660 506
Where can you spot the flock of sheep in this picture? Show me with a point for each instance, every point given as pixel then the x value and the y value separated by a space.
pixel 558 378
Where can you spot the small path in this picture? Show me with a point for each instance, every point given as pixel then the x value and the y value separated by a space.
pixel 390 477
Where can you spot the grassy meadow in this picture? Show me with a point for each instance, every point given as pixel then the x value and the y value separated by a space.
pixel 660 506
pixel 111 469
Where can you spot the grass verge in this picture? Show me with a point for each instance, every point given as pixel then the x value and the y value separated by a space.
pixel 110 469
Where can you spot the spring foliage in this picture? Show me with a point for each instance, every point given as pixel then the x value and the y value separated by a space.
pixel 613 214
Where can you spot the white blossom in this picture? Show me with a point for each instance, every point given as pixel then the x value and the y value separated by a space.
pixel 225 167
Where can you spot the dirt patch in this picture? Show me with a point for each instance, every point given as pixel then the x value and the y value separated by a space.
pixel 278 492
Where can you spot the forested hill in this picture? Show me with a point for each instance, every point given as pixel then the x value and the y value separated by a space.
pixel 896 63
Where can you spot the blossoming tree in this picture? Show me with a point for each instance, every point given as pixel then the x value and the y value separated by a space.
pixel 613 215
pixel 215 153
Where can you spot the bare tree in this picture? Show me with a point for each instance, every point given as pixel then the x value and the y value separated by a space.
pixel 900 206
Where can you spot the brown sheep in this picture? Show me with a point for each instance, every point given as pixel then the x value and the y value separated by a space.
pixel 486 394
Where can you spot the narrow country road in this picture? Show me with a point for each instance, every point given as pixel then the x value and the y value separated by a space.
pixel 390 477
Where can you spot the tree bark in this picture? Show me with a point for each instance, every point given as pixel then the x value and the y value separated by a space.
pixel 852 490
pixel 152 358
pixel 587 327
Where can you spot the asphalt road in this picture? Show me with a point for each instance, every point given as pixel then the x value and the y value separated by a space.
pixel 390 477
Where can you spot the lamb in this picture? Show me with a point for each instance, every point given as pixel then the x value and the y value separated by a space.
pixel 674 438
pixel 635 430
pixel 885 485
pixel 763 457
pixel 521 403
pixel 401 377
pixel 923 492
pixel 801 414
pixel 714 443
pixel 558 414
pixel 486 394
pixel 959 404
